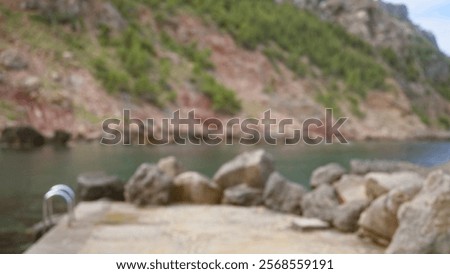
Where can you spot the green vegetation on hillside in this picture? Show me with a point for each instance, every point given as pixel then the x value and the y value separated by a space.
pixel 137 52
pixel 444 121
pixel 136 60
pixel 123 61
pixel 138 71
pixel 295 33
pixel 422 115
pixel 408 65
pixel 405 66
pixel 223 99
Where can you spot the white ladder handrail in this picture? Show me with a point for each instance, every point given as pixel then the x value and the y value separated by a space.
pixel 64 192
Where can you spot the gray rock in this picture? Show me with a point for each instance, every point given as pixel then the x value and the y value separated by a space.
pixel 320 203
pixel 327 174
pixel 379 222
pixel 243 195
pixel 171 166
pixel 399 11
pixel 98 185
pixel 251 168
pixel 31 83
pixel 74 81
pixel 192 187
pixel 148 186
pixel 425 220
pixel 436 68
pixel 11 59
pixel 2 78
pixel 399 195
pixel 346 216
pixel 378 184
pixel 362 167
pixel 110 17
pixel 282 195
pixel 351 188
pixel 309 224
pixel 22 137
pixel 428 35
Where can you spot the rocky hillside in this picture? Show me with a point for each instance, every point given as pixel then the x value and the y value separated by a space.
pixel 69 64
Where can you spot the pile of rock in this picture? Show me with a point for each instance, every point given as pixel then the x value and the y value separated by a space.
pixel 395 204
pixel 249 179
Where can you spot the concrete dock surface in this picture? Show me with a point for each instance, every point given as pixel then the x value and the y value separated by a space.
pixel 115 227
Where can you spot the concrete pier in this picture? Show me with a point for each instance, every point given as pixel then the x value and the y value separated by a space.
pixel 114 227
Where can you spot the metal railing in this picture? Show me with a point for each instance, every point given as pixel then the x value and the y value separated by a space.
pixel 64 192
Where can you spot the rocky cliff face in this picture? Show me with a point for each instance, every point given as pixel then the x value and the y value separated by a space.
pixel 381 24
pixel 69 64
pixel 388 27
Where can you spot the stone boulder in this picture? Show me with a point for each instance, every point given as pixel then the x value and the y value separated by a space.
pixel 22 137
pixel 320 203
pixel 243 195
pixel 195 188
pixel 424 222
pixel 251 168
pixel 97 185
pixel 148 186
pixel 11 59
pixel 399 11
pixel 351 188
pixel 362 167
pixel 378 184
pixel 346 216
pixel 171 166
pixel 283 195
pixel 379 222
pixel 327 174
pixel 399 195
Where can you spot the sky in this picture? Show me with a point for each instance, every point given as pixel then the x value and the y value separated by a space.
pixel 432 15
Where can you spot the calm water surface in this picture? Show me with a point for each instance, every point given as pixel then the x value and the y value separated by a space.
pixel 26 175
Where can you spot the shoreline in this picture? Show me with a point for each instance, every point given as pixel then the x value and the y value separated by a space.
pixel 285 165
pixel 366 202
pixel 27 137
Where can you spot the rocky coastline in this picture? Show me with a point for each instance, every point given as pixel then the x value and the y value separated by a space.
pixel 403 207
pixel 28 137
